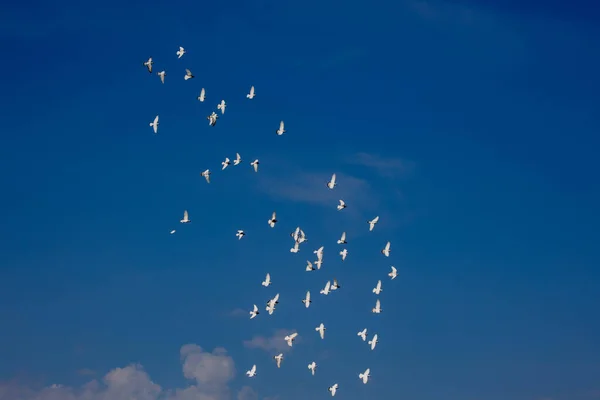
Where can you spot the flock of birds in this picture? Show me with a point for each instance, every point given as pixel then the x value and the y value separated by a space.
pixel 297 235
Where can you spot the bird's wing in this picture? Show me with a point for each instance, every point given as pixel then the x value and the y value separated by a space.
pixel 274 216
pixel 185 215
pixel 307 296
pixel 188 72
pixel 255 165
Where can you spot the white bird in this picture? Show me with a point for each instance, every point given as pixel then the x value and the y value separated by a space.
pixel 321 329
pixel 341 206
pixel 270 309
pixel 278 359
pixel 394 273
pixel 148 64
pixel 252 372
pixel 212 119
pixel 188 74
pixel 363 334
pixel 221 106
pixel 312 366
pixel 332 183
pixel 154 124
pixel 273 220
pixel 162 75
pixel 206 175
pixel 373 342
pixel 373 222
pixel 386 250
pixel 202 96
pixel 344 253
pixel 281 129
pixel 318 263
pixel 180 52
pixel 377 308
pixel 309 266
pixel 272 303
pixel 251 94
pixel 342 240
pixel 173 231
pixel 255 165
pixel 377 289
pixel 186 218
pixel 238 159
pixel 225 163
pixel 306 300
pixel 240 234
pixel 365 376
pixel 254 312
pixel 267 280
pixel 326 289
pixel 296 248
pixel 319 252
pixel 290 338
pixel 333 389
pixel 335 285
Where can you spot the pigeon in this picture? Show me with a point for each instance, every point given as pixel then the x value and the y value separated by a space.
pixel 326 289
pixel 373 222
pixel 319 252
pixel 341 206
pixel 188 74
pixel 162 75
pixel 267 280
pixel 363 334
pixel 254 312
pixel 306 300
pixel 335 285
pixel 290 338
pixel 377 308
pixel 154 125
pixel 273 220
pixel 221 106
pixel 386 250
pixel 365 375
pixel 296 248
pixel 240 234
pixel 238 159
pixel 331 184
pixel 344 253
pixel 251 94
pixel 186 218
pixel 309 266
pixel 272 303
pixel 173 231
pixel 206 175
pixel 318 263
pixel 312 366
pixel 148 64
pixel 225 163
pixel 342 240
pixel 180 52
pixel 321 329
pixel 394 273
pixel 298 235
pixel 202 96
pixel 278 358
pixel 252 372
pixel 377 289
pixel 212 119
pixel 281 129
pixel 255 165
pixel 373 342
pixel 333 389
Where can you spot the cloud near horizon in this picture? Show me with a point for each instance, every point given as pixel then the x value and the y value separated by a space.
pixel 211 373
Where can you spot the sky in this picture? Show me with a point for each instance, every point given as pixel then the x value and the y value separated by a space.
pixel 470 128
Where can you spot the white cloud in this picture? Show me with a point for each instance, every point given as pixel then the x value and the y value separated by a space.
pixel 384 166
pixel 273 344
pixel 210 371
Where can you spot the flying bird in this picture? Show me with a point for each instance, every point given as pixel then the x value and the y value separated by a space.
pixel 373 342
pixel 377 289
pixel 240 234
pixel 335 285
pixel 202 96
pixel 148 64
pixel 254 312
pixel 173 231
pixel 272 303
pixel 180 52
pixel 238 159
pixel 186 218
pixel 344 253
pixel 267 280
pixel 278 359
pixel 225 163
pixel 188 74
pixel 333 389
pixel 221 106
pixel 281 129
pixel 206 175
pixel 162 75
pixel 309 266
pixel 252 372
pixel 312 366
pixel 290 338
pixel 273 220
pixel 377 308
pixel 363 334
pixel 212 119
pixel 342 240
pixel 307 300
pixel 321 329
pixel 154 125
pixel 394 273
pixel 319 252
pixel 386 250
pixel 255 165
pixel 373 222
pixel 318 263
pixel 326 289
pixel 332 183
pixel 251 94
pixel 365 376
pixel 341 206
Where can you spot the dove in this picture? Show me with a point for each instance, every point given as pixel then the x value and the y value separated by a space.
pixel 319 252
pixel 281 129
pixel 202 95
pixel 148 64
pixel 332 183
pixel 240 234
pixel 341 206
pixel 278 359
pixel 273 220
pixel 173 231
pixel 254 312
pixel 188 74
pixel 306 300
pixel 312 366
pixel 212 119
pixel 309 266
pixel 255 165
pixel 372 223
pixel 333 389
pixel 290 338
pixel 363 334
pixel 186 218
pixel 154 124
pixel 344 253
pixel 386 250
pixel 365 375
pixel 326 289
pixel 373 342
pixel 394 273
pixel 238 159
pixel 377 308
pixel 321 329
pixel 252 372
pixel 162 75
pixel 221 106
pixel 267 280
pixel 342 240
pixel 206 175
pixel 180 52
pixel 225 163
pixel 251 94
pixel 377 288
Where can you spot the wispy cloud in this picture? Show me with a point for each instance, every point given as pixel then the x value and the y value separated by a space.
pixel 85 372
pixel 384 166
pixel 238 312
pixel 272 344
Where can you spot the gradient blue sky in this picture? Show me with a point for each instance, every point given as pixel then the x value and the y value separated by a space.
pixel 470 127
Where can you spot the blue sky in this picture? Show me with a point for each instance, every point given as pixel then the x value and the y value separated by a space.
pixel 470 128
